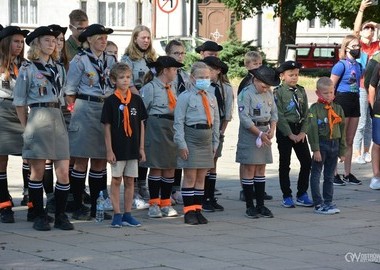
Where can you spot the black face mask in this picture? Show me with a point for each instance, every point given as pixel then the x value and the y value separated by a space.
pixel 140 49
pixel 355 53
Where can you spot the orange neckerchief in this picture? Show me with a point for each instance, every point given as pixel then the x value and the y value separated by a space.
pixel 15 70
pixel 171 97
pixel 125 101
pixel 332 116
pixel 206 106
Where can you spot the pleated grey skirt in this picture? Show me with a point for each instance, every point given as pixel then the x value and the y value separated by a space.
pixel 248 153
pixel 160 149
pixel 199 144
pixel 86 132
pixel 45 135
pixel 10 129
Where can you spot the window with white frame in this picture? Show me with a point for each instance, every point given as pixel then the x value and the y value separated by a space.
pixel 23 11
pixel 112 13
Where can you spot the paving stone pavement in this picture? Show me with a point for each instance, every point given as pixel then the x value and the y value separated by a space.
pixel 294 239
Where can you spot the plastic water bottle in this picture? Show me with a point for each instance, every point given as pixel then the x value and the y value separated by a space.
pixel 100 208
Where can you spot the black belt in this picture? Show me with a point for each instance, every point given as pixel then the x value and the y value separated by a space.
pixel 45 105
pixel 200 126
pixel 260 124
pixel 5 98
pixel 166 116
pixel 91 98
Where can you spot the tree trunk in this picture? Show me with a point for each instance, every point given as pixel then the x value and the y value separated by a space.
pixel 288 32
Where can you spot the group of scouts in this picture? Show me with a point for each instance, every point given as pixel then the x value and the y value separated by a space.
pixel 147 112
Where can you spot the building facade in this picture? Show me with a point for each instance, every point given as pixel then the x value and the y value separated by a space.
pixel 166 18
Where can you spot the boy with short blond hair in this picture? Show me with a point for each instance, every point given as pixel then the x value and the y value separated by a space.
pixel 252 60
pixel 327 142
pixel 123 117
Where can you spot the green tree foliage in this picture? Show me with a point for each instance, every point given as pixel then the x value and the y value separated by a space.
pixel 292 11
pixel 233 53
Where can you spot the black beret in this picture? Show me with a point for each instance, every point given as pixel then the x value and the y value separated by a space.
pixel 58 28
pixel 213 61
pixel 92 30
pixel 209 46
pixel 41 31
pixel 12 30
pixel 266 74
pixel 165 62
pixel 288 65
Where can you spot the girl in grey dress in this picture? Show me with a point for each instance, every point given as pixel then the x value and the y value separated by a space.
pixel 39 86
pixel 161 152
pixel 196 125
pixel 88 85
pixel 11 58
pixel 258 118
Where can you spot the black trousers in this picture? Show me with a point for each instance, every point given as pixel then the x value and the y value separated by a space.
pixel 285 146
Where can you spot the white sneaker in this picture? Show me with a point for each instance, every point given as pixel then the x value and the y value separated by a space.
pixel 375 183
pixel 108 204
pixel 140 204
pixel 154 211
pixel 177 197
pixel 367 157
pixel 359 160
pixel 168 211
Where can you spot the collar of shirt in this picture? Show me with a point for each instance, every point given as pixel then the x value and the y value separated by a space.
pixel 50 61
pixel 160 83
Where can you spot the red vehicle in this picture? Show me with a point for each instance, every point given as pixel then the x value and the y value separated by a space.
pixel 314 57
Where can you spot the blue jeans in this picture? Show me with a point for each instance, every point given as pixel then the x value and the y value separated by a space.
pixel 329 151
pixel 363 133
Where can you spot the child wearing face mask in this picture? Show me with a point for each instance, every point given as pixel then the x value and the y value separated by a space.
pixel 196 125
pixel 346 76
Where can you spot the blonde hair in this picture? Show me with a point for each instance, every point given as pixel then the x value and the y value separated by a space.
pixel 324 83
pixel 35 50
pixel 252 56
pixel 132 50
pixel 86 44
pixel 346 40
pixel 119 68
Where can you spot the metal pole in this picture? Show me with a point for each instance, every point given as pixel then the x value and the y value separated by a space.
pixel 195 22
pixel 167 38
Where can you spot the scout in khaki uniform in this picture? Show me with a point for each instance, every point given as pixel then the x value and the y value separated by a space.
pixel 258 118
pixel 39 86
pixel 12 57
pixel 196 125
pixel 88 85
pixel 161 151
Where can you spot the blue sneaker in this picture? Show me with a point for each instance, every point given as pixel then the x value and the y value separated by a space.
pixel 324 210
pixel 116 221
pixel 304 200
pixel 130 221
pixel 288 202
